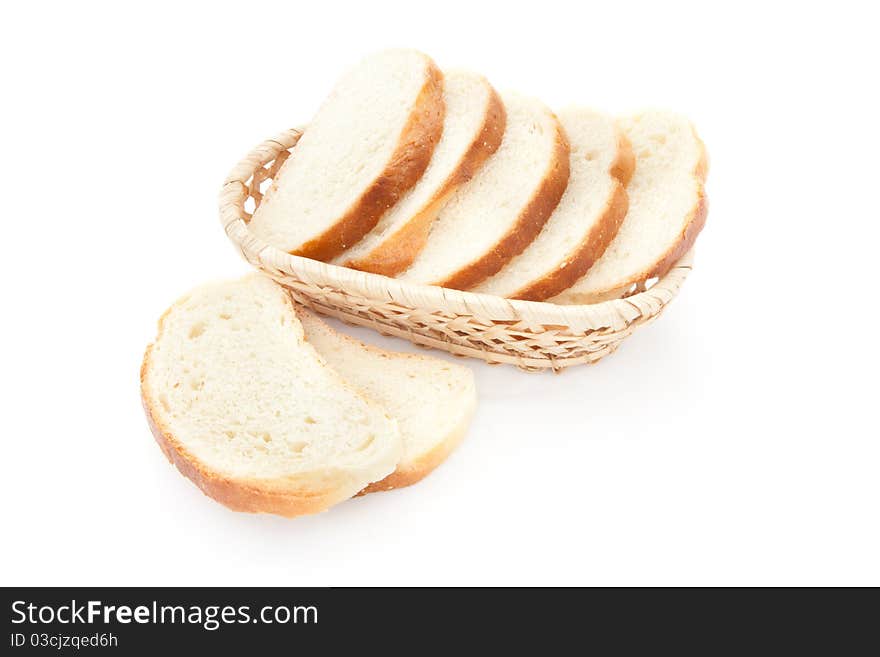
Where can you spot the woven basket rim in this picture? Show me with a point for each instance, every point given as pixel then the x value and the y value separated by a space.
pixel 611 314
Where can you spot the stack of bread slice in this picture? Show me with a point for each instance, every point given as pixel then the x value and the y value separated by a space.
pixel 436 179
pixel 268 409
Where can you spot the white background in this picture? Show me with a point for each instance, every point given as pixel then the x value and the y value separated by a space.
pixel 735 441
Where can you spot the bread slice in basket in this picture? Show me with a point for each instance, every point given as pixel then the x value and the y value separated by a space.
pixel 472 131
pixel 586 219
pixel 667 208
pixel 245 407
pixel 431 399
pixel 504 206
pixel 369 143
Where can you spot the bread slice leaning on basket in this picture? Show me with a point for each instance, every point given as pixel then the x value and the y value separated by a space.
pixel 245 407
pixel 504 206
pixel 472 131
pixel 432 399
pixel 586 219
pixel 667 208
pixel 368 144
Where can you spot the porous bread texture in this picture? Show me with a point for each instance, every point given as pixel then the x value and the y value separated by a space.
pixel 369 143
pixel 586 219
pixel 432 400
pixel 472 131
pixel 501 210
pixel 248 410
pixel 667 208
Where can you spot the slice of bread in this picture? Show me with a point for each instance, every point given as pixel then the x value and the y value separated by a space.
pixel 368 144
pixel 472 131
pixel 247 409
pixel 667 208
pixel 501 210
pixel 586 219
pixel 431 399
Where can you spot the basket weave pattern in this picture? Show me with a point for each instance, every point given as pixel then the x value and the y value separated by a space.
pixel 531 335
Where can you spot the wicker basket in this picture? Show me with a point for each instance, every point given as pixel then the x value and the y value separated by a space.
pixel 531 335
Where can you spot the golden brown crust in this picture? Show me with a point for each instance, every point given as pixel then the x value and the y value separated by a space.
pixel 237 494
pixel 589 251
pixel 682 244
pixel 397 252
pixel 591 248
pixel 686 238
pixel 692 226
pixel 409 161
pixel 530 222
pixel 625 164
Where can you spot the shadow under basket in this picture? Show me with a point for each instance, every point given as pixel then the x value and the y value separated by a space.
pixel 529 334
